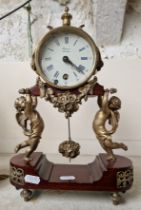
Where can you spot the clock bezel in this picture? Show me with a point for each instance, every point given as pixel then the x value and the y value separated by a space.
pixel 66 29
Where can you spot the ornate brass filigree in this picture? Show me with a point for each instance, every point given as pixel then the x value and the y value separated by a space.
pixel 66 101
pixel 69 149
pixel 17 175
pixel 124 178
pixel 108 113
pixel 30 121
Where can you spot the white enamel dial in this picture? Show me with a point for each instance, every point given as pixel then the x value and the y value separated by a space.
pixel 67 60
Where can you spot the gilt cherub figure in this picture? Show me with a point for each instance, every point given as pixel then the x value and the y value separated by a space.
pixel 108 113
pixel 30 121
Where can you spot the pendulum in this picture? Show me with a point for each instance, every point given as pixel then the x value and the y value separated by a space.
pixel 69 148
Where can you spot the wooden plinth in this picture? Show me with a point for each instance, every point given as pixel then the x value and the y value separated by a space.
pixel 100 175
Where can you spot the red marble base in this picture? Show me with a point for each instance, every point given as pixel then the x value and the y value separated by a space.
pixel 100 175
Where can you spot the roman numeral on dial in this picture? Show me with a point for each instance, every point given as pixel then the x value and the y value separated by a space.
pixel 56 74
pixel 47 58
pixel 81 68
pixel 50 67
pixel 76 76
pixel 75 42
pixel 81 49
pixel 66 39
pixel 84 58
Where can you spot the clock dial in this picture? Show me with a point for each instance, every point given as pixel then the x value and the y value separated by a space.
pixel 66 59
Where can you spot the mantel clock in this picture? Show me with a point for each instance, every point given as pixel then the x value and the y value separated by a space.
pixel 66 61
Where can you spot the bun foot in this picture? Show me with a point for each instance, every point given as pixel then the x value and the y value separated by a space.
pixel 26 194
pixel 116 198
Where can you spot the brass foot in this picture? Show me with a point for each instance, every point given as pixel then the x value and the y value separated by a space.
pixel 26 194
pixel 116 198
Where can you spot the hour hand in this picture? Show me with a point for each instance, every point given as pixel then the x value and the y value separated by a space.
pixel 67 60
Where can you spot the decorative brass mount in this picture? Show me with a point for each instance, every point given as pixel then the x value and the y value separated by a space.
pixel 67 101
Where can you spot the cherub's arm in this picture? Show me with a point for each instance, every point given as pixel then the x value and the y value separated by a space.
pixel 105 100
pixel 29 105
pixel 104 104
pixel 99 101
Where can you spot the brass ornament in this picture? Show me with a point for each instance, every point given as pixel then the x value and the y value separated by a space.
pixel 67 101
pixel 66 17
pixel 108 113
pixel 124 178
pixel 30 121
pixel 17 175
pixel 69 149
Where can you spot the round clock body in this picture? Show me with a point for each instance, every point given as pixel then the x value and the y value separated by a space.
pixel 66 57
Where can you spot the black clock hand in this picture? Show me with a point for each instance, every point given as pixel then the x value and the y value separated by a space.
pixel 67 60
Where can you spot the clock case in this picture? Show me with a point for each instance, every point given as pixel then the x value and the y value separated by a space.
pixel 38 173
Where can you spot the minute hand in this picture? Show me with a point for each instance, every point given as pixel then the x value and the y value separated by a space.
pixel 67 60
pixel 77 68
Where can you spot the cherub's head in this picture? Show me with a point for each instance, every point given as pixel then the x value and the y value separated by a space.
pixel 20 103
pixel 114 103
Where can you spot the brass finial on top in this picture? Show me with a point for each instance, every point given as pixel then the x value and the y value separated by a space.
pixel 66 17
